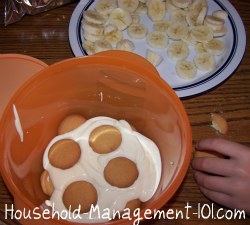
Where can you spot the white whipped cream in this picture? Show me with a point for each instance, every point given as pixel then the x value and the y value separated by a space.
pixel 90 167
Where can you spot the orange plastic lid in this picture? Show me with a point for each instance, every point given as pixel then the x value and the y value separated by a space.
pixel 15 70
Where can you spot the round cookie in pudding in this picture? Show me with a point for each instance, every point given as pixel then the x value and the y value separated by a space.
pixel 80 194
pixel 105 139
pixel 46 183
pixel 133 205
pixel 64 153
pixel 70 123
pixel 121 172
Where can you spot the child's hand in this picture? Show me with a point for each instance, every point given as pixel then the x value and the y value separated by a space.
pixel 224 181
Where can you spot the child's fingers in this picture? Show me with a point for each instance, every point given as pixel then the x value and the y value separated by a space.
pixel 213 183
pixel 225 147
pixel 217 166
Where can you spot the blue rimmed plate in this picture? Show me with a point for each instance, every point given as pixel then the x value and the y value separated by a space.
pixel 235 43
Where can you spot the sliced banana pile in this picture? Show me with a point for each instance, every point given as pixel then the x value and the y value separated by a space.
pixel 176 27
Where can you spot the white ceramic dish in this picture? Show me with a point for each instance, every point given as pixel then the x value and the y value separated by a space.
pixel 235 42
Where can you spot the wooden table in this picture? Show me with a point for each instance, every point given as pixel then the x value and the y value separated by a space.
pixel 45 36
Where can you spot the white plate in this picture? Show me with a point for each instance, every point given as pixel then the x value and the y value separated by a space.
pixel 235 42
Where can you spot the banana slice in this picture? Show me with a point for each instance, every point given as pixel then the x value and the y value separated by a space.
pixel 201 16
pixel 178 15
pixel 222 14
pixel 157 39
pixel 89 47
pixel 92 28
pixel 121 18
pixel 177 30
pixel 220 32
pixel 156 10
pixel 128 5
pixel 204 62
pixel 135 17
pixel 200 48
pixel 178 50
pixel 170 6
pixel 181 3
pixel 137 30
pixel 191 17
pixel 110 28
pixel 214 27
pixel 153 57
pixel 93 16
pixel 105 7
pixel 216 24
pixel 113 37
pixel 202 33
pixel 196 17
pixel 102 45
pixel 125 45
pixel 189 40
pixel 197 5
pixel 92 37
pixel 161 25
pixel 213 20
pixel 215 47
pixel 186 69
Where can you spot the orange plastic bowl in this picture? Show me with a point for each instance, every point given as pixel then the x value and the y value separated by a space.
pixel 117 84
